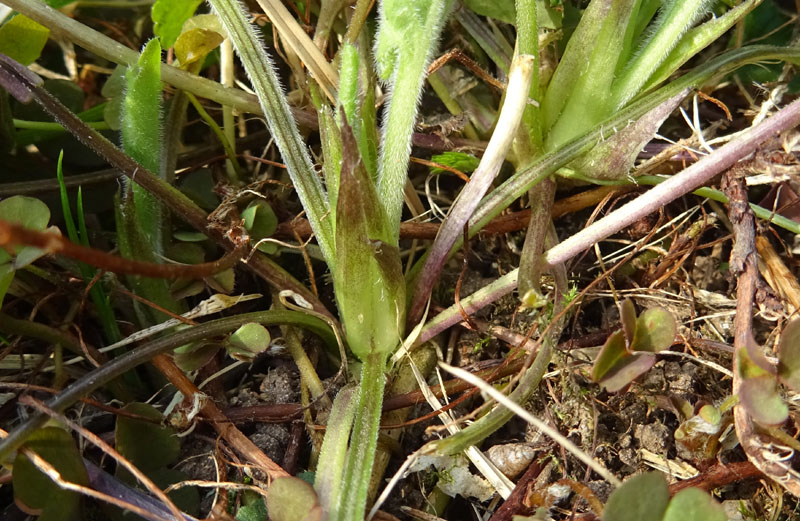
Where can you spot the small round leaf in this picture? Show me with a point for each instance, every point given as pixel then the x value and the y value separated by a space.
pixel 641 497
pixel 692 504
pixel 655 330
pixel 248 341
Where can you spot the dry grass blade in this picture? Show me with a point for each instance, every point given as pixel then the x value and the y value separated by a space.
pixel 297 39
pixel 539 424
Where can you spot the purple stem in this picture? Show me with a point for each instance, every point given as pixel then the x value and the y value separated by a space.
pixel 678 185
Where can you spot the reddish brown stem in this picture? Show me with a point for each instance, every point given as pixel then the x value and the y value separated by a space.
pixel 12 234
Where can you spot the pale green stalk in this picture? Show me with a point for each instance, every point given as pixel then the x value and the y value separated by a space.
pixel 363 441
pixel 407 35
pixel 261 71
pixel 227 77
pixel 333 456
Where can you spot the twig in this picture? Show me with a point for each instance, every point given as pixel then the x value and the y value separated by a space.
pixel 12 234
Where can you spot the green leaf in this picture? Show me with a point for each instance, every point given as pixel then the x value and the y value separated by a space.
pixel 759 396
pixel 195 44
pixel 37 491
pixel 459 160
pixel 692 504
pixel 58 4
pixel 198 185
pixel 612 352
pixel 367 277
pixel 248 341
pixel 6 277
pixel 190 236
pixel 25 211
pixel 697 39
pixel 195 356
pixel 147 444
pixel 331 141
pixel 655 330
pixel 627 316
pixel 22 39
pixel 292 499
pixel 579 94
pixel 789 355
pixel 641 497
pixel 254 511
pixel 672 23
pixel 30 213
pixel 169 16
pixel 113 89
pixel 187 499
pixel 505 11
pixel 141 137
pixel 627 370
pixel 502 10
pixel 260 222
pixel 614 157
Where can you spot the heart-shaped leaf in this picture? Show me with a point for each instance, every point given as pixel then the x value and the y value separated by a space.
pixel 248 341
pixel 260 222
pixel 292 499
pixel 36 491
pixel 147 444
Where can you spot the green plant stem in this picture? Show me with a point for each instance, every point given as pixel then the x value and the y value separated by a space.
pixel 357 21
pixel 308 374
pixel 235 178
pixel 715 195
pixel 107 372
pixel 51 126
pixel 364 439
pixel 228 78
pixel 51 335
pixel 528 43
pixel 406 62
pixel 333 456
pixel 281 122
pixel 541 203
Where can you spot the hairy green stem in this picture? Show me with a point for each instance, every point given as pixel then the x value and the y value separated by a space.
pixel 281 122
pixel 407 35
pixel 364 439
